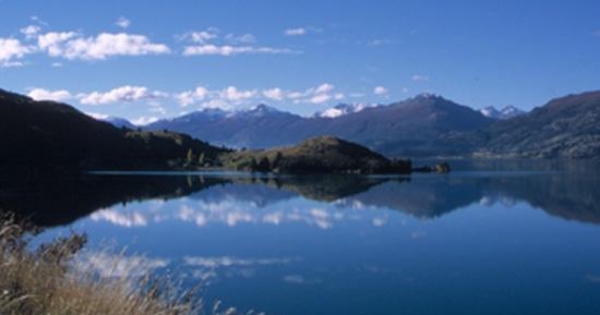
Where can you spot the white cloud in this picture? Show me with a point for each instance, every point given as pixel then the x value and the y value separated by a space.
pixel 122 94
pixel 123 22
pixel 11 49
pixel 118 266
pixel 321 218
pixel 300 31
pixel 380 90
pixel 31 31
pixel 232 96
pixel 275 94
pixel 315 95
pixel 217 104
pixel 52 42
pixel 207 268
pixel 320 94
pixel 420 78
pixel 240 39
pixel 71 45
pixel 379 222
pixel 202 37
pixel 190 97
pixel 225 98
pixel 144 120
pixel 324 88
pixel 208 43
pixel 232 93
pixel 319 99
pixel 295 31
pixel 46 95
pixel 119 218
pixel 228 261
pixel 228 50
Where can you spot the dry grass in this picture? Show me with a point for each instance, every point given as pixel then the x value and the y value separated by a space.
pixel 42 281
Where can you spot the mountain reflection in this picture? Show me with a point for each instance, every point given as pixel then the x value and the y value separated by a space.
pixel 55 200
pixel 323 201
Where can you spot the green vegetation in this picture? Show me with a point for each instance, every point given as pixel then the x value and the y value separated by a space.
pixel 324 154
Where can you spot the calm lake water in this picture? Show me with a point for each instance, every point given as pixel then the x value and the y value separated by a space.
pixel 486 240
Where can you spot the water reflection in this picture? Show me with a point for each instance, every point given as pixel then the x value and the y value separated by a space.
pixel 465 243
pixel 137 201
pixel 56 200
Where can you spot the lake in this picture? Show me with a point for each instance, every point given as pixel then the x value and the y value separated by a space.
pixel 484 239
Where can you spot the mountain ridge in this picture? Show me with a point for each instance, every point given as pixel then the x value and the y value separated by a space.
pixel 404 128
pixel 565 127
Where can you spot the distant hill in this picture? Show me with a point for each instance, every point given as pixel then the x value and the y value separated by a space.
pixel 566 127
pixel 119 122
pixel 415 127
pixel 51 134
pixel 419 126
pixel 325 154
pixel 259 127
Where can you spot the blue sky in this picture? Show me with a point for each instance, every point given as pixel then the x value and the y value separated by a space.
pixel 145 60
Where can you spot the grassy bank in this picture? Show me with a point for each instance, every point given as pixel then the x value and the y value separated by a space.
pixel 42 280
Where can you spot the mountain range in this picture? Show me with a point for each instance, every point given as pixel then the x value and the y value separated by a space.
pixel 427 125
pixel 423 126
pixel 414 127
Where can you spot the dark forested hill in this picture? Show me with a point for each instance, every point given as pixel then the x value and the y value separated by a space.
pixel 566 127
pixel 54 134
pixel 324 154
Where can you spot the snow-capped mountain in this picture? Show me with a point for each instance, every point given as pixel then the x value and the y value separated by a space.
pixel 403 128
pixel 505 113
